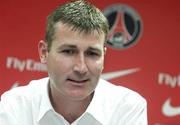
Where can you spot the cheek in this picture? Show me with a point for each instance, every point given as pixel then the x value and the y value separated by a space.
pixel 58 65
pixel 96 67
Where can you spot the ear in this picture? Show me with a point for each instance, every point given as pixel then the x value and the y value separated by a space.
pixel 105 49
pixel 43 51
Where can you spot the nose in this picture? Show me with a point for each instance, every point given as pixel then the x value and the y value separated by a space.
pixel 80 65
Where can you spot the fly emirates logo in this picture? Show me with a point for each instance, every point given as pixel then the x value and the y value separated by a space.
pixel 172 81
pixel 24 65
pixel 167 79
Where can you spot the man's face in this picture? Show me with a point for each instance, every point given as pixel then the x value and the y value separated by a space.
pixel 75 61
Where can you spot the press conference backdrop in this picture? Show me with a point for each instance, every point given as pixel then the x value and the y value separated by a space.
pixel 143 49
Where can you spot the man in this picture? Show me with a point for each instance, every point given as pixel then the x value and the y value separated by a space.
pixel 73 93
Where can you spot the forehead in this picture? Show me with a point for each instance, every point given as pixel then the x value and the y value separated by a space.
pixel 60 27
pixel 64 33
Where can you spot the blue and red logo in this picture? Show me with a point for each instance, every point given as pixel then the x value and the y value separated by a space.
pixel 125 26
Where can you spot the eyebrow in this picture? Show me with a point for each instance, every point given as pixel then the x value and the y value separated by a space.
pixel 75 47
pixel 67 46
pixel 94 49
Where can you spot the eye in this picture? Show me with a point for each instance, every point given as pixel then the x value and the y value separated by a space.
pixel 68 51
pixel 92 54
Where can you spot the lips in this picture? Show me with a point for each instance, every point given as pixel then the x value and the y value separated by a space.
pixel 77 82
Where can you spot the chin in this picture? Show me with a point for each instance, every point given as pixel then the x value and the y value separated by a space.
pixel 79 95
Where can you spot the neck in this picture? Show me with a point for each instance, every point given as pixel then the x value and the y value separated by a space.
pixel 70 109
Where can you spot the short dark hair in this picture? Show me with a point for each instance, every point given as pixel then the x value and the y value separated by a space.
pixel 81 15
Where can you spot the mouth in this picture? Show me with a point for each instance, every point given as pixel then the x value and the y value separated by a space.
pixel 78 82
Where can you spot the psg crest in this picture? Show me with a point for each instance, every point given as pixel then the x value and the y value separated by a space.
pixel 125 26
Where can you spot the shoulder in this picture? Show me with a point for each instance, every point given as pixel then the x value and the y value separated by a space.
pixel 120 94
pixel 25 91
pixel 23 96
pixel 120 102
pixel 18 102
